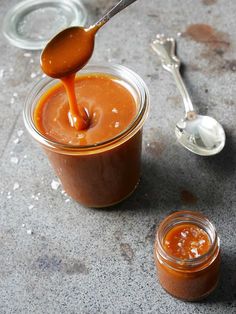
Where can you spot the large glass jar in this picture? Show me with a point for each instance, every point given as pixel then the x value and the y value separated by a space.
pixel 105 173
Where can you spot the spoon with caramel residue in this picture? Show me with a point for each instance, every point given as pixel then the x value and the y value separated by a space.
pixel 71 49
pixel 67 53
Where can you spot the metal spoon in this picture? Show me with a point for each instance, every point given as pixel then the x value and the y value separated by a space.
pixel 202 135
pixel 71 49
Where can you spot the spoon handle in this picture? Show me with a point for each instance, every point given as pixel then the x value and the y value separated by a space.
pixel 113 11
pixel 165 48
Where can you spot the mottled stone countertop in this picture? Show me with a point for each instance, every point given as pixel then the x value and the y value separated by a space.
pixel 59 257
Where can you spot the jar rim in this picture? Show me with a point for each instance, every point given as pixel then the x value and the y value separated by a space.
pixel 181 217
pixel 104 68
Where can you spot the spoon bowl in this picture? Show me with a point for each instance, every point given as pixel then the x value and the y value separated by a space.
pixel 202 135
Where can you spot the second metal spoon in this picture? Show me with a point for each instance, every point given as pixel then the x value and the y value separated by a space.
pixel 200 134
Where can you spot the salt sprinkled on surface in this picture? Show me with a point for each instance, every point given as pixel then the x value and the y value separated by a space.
pixel 12 100
pixel 23 225
pixel 67 200
pixel 29 231
pixel 9 195
pixel 31 206
pixel 14 160
pixel 16 141
pixel 55 184
pixel 179 34
pixel 114 110
pixel 20 133
pixel 1 73
pixel 117 124
pixel 27 54
pixel 15 94
pixel 16 186
pixel 31 60
pixel 25 156
pixel 33 75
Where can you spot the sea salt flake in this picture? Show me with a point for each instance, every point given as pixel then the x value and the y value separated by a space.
pixel 1 73
pixel 16 186
pixel 55 184
pixel 33 75
pixel 16 141
pixel 15 94
pixel 20 133
pixel 179 34
pixel 117 124
pixel 114 110
pixel 31 207
pixel 14 160
pixel 25 156
pixel 23 225
pixel 12 100
pixel 195 252
pixel 31 60
pixel 29 231
pixel 27 54
pixel 183 234
pixel 67 200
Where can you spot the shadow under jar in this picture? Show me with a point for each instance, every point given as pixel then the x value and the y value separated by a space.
pixel 195 277
pixel 104 173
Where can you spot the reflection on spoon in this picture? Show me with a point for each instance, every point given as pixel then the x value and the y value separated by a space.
pixel 201 135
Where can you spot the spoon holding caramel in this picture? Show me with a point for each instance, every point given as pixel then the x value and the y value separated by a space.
pixel 67 53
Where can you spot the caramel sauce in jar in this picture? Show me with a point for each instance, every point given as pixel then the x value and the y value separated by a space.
pixel 187 255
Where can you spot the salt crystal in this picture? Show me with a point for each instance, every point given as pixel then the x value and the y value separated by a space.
pixel 117 124
pixel 67 200
pixel 27 54
pixel 20 133
pixel 55 184
pixel 29 231
pixel 80 136
pixel 195 252
pixel 12 100
pixel 183 234
pixel 114 110
pixel 43 75
pixel 14 160
pixel 1 73
pixel 33 196
pixel 15 94
pixel 33 75
pixel 9 196
pixel 36 198
pixel 16 141
pixel 179 34
pixel 25 156
pixel 38 193
pixel 23 225
pixel 31 207
pixel 16 186
pixel 31 60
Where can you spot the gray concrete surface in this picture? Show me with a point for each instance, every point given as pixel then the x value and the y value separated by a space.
pixel 58 257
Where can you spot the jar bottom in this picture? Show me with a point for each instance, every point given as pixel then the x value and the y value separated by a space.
pixel 205 295
pixel 107 205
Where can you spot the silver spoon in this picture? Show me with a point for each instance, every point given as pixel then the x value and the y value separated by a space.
pixel 202 135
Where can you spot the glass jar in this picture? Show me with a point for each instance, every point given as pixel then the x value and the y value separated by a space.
pixel 105 173
pixel 187 279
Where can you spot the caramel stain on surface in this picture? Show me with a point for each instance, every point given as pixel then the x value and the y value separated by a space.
pixel 126 252
pixel 188 198
pixel 209 2
pixel 206 34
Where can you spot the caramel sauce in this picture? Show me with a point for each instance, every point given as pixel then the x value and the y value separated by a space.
pixel 186 241
pixel 63 56
pixel 111 105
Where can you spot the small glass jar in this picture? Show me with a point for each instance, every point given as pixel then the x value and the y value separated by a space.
pixel 187 279
pixel 105 173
